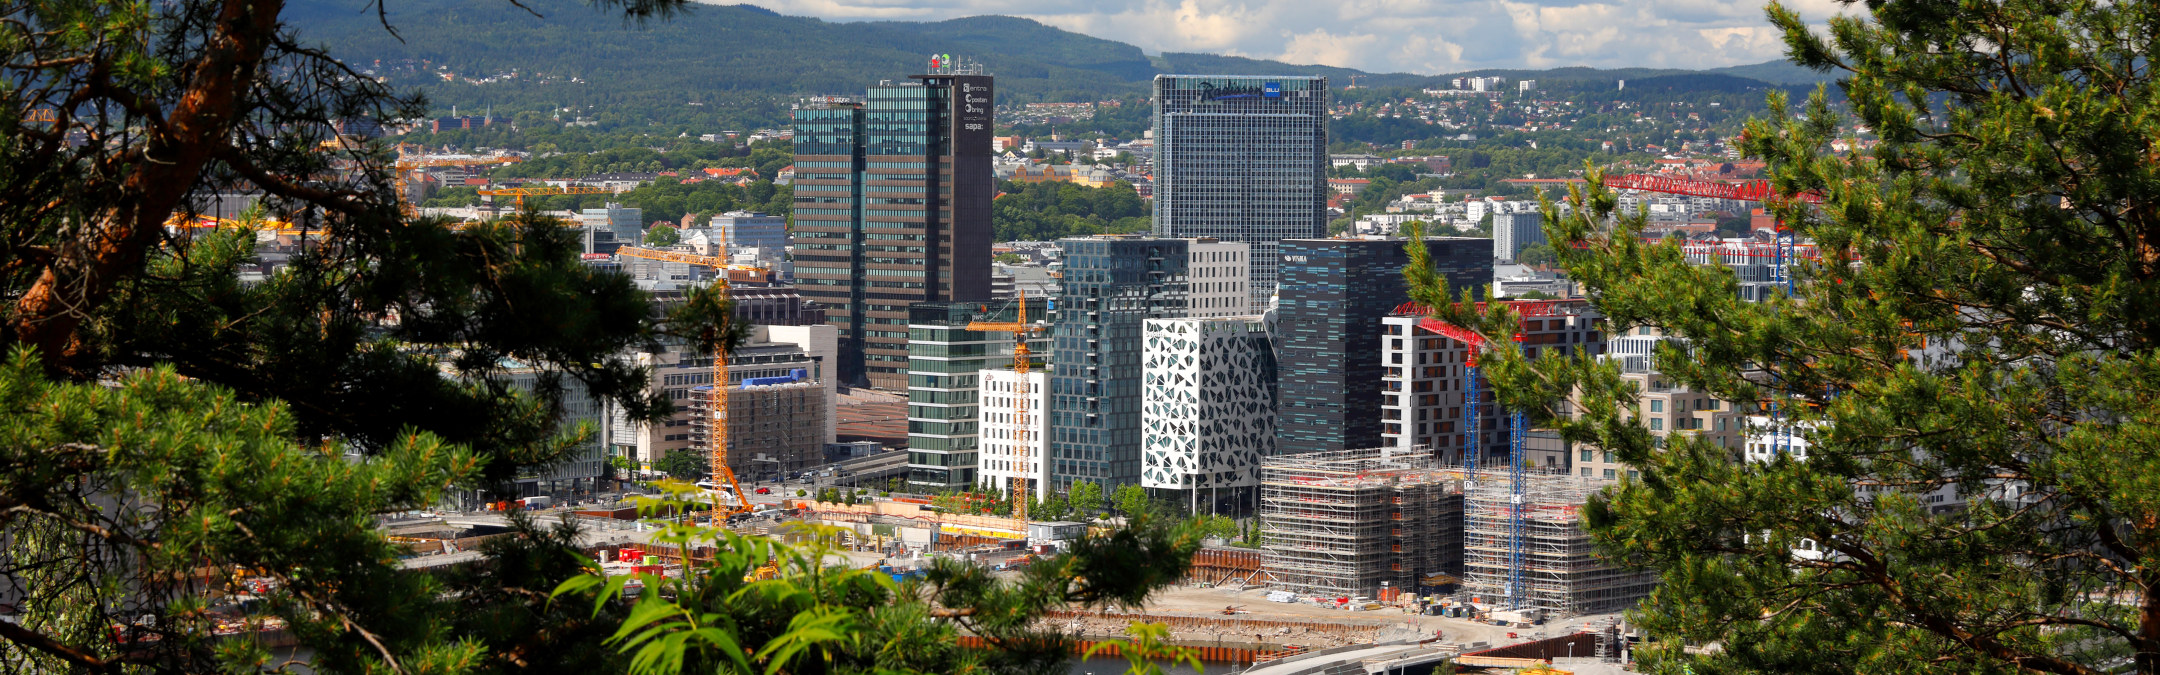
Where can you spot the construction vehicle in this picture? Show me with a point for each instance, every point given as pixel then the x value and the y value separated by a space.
pixel 522 192
pixel 1021 329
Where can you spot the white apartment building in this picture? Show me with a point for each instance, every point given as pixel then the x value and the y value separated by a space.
pixel 1220 273
pixel 1422 394
pixel 1014 424
pixel 1207 406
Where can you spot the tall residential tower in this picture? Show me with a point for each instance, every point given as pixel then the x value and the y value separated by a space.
pixel 1242 159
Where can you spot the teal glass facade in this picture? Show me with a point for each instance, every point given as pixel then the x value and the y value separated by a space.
pixel 1112 286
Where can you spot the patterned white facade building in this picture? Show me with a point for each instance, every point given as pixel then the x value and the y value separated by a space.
pixel 1012 432
pixel 1207 402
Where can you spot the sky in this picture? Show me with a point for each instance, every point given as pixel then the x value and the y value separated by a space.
pixel 1416 36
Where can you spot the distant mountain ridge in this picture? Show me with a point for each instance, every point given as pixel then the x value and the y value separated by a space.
pixel 742 62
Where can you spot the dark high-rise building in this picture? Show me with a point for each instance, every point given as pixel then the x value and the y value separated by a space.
pixel 1242 159
pixel 892 207
pixel 1113 284
pixel 1335 292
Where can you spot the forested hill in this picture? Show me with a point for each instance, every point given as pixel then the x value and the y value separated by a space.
pixel 715 62
pixel 736 66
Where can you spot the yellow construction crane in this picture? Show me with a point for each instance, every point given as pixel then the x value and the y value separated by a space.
pixel 718 263
pixel 723 475
pixel 522 192
pixel 212 222
pixel 1021 329
pixel 405 168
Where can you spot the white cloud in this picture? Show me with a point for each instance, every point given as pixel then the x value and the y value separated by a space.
pixel 1419 36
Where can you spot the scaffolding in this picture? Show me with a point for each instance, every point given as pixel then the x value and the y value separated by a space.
pixel 1342 523
pixel 1560 571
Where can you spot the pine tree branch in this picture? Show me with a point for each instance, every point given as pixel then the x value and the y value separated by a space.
pixel 41 642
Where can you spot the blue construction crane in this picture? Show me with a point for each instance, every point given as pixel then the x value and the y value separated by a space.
pixel 1782 444
pixel 1517 593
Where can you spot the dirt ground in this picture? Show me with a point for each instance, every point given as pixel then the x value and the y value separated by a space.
pixel 1392 622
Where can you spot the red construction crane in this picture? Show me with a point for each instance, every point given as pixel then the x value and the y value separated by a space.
pixel 1747 190
pixel 1785 249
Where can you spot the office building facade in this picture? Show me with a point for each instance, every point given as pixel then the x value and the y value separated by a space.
pixel 1335 292
pixel 1244 159
pixel 1113 284
pixel 892 204
pixel 945 363
pixel 611 227
pixel 747 231
pixel 1208 409
pixel 1221 278
pixel 1513 232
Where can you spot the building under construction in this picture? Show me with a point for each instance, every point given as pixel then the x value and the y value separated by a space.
pixel 1548 561
pixel 1342 523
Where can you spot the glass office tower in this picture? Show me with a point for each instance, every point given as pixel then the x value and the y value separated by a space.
pixel 945 362
pixel 1335 292
pixel 828 218
pixel 916 226
pixel 1113 284
pixel 1242 159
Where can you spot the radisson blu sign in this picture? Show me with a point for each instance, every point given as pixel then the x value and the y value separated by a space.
pixel 1210 92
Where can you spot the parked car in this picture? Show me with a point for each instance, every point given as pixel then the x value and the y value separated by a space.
pixel 764 491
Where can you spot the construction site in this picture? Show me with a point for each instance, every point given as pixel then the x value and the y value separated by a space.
pixel 1543 560
pixel 1351 523
pixel 1381 521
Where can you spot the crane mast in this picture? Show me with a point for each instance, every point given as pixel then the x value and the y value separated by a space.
pixel 1517 591
pixel 1020 328
pixel 723 476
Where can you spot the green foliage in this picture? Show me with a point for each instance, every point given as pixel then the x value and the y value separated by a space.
pixel 683 465
pixel 1010 258
pixel 1050 507
pixel 1223 527
pixel 812 616
pixel 1053 210
pixel 504 605
pixel 1131 500
pixel 669 199
pixel 1981 324
pixel 1086 498
pixel 194 483
pixel 662 236
pixel 1536 255
pixel 452 197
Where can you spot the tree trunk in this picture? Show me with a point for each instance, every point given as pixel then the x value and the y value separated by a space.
pixel 89 267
